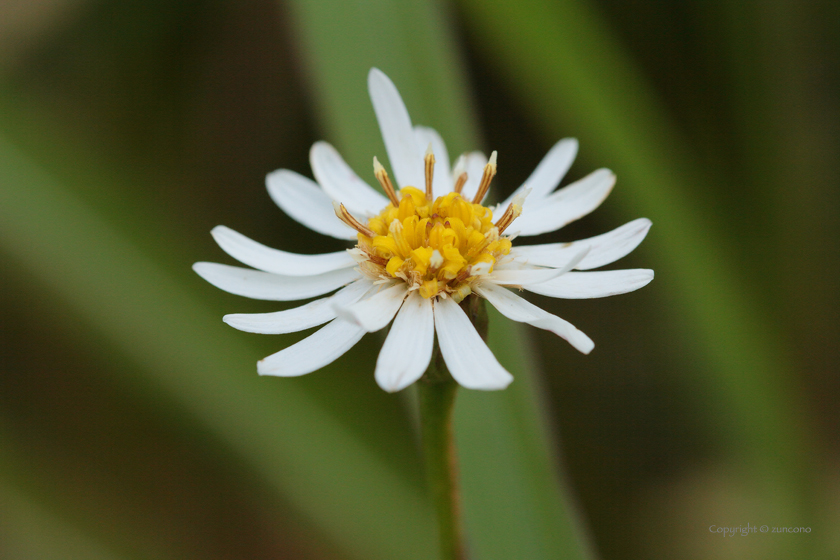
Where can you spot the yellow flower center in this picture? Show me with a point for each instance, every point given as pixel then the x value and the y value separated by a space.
pixel 439 247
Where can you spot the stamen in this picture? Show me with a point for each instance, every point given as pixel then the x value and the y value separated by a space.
pixel 519 199
pixel 385 181
pixel 489 173
pixel 460 173
pixel 372 256
pixel 430 169
pixel 460 182
pixel 463 275
pixel 348 219
pixel 512 212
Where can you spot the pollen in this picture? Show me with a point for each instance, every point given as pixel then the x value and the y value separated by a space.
pixel 439 246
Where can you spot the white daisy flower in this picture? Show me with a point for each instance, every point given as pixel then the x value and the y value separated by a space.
pixel 420 250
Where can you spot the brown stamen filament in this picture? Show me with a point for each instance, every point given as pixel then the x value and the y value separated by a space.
pixel 489 173
pixel 460 182
pixel 507 218
pixel 385 181
pixel 348 219
pixel 463 275
pixel 376 259
pixel 430 170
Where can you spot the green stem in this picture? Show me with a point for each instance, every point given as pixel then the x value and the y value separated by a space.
pixel 437 392
pixel 437 401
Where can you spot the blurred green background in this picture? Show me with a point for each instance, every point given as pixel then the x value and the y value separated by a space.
pixel 132 422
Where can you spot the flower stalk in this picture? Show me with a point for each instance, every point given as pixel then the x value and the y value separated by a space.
pixel 437 402
pixel 437 392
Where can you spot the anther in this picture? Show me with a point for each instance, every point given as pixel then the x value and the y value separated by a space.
pixel 348 219
pixel 512 212
pixel 385 181
pixel 430 169
pixel 489 173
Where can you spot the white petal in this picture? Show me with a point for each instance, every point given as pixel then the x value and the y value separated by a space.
pixel 408 349
pixel 265 285
pixel 566 205
pixel 395 125
pixel 342 184
pixel 313 352
pixel 510 275
pixel 517 309
pixel 375 311
pixel 585 285
pixel 248 251
pixel 303 200
pixel 604 249
pixel 549 172
pixel 300 318
pixel 467 357
pixel 442 182
pixel 521 276
pixel 474 163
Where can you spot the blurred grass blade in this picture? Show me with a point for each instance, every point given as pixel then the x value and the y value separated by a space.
pixel 590 88
pixel 506 460
pixel 31 529
pixel 297 447
pixel 408 41
pixel 513 504
pixel 29 532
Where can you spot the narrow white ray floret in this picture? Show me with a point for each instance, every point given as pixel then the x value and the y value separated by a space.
pixel 408 348
pixel 300 318
pixel 603 249
pixel 248 251
pixel 421 248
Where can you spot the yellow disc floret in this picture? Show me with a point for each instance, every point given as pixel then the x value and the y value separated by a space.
pixel 438 247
